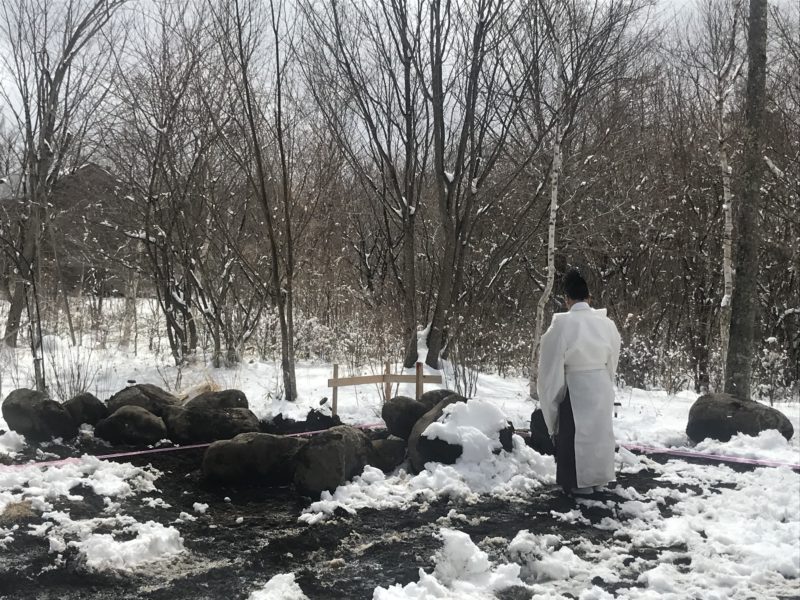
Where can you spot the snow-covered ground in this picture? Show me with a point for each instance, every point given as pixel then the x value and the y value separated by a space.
pixel 739 529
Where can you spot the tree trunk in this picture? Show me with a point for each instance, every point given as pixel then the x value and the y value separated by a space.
pixel 15 314
pixel 727 239
pixel 26 262
pixel 129 316
pixel 555 174
pixel 409 294
pixel 443 307
pixel 745 297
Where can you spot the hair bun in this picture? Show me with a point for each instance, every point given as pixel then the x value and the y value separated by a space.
pixel 575 285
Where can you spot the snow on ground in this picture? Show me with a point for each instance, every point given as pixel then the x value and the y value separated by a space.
pixel 648 417
pixel 742 540
pixel 740 529
pixel 463 572
pixel 32 488
pixel 280 587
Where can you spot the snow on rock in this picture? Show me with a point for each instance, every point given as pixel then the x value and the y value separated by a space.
pixel 280 587
pixel 152 542
pixel 200 507
pixel 474 425
pixel 462 571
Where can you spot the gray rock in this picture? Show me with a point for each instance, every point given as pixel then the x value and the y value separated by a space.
pixel 133 426
pixel 387 454
pixel 34 415
pixel 197 425
pixel 254 458
pixel 218 400
pixel 422 450
pixel 148 396
pixel 330 459
pixel 400 413
pixel 540 437
pixel 721 416
pixel 433 397
pixel 86 408
pixel 506 437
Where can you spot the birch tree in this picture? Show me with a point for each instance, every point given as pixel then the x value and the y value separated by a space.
pixel 713 61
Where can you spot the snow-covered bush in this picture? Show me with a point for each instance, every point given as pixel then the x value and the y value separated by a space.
pixel 772 373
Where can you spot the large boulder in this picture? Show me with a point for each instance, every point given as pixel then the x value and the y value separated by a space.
pixel 330 459
pixel 218 400
pixel 146 395
pixel 34 415
pixel 400 414
pixel 388 453
pixel 86 408
pixel 721 416
pixel 255 458
pixel 133 426
pixel 422 449
pixel 433 397
pixel 540 437
pixel 197 425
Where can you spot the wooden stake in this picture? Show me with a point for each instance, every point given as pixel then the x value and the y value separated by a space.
pixel 335 401
pixel 387 386
pixel 419 380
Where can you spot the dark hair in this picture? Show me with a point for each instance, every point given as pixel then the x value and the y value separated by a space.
pixel 575 285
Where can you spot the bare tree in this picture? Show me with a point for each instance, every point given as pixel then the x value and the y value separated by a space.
pixel 237 30
pixel 363 72
pixel 55 60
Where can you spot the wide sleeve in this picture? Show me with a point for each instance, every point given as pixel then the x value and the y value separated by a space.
pixel 550 382
pixel 615 342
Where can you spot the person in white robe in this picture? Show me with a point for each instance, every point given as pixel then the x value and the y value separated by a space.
pixel 577 364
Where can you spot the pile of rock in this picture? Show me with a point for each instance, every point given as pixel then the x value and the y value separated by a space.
pixel 141 414
pixel 407 419
pixel 327 460
pixel 245 451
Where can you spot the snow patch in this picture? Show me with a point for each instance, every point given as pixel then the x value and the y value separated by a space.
pixel 280 587
pixel 153 542
pixel 463 571
pixel 10 443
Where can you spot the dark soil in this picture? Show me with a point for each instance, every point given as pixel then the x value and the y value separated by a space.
pixel 346 557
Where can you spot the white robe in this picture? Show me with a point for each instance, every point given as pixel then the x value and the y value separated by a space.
pixel 579 352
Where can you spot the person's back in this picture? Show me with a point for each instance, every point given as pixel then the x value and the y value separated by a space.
pixel 578 361
pixel 591 339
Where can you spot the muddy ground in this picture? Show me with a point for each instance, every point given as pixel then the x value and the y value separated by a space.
pixel 346 557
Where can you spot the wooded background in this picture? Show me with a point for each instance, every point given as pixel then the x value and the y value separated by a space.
pixel 322 178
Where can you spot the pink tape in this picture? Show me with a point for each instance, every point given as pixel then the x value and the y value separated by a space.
pixel 707 455
pixel 77 459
